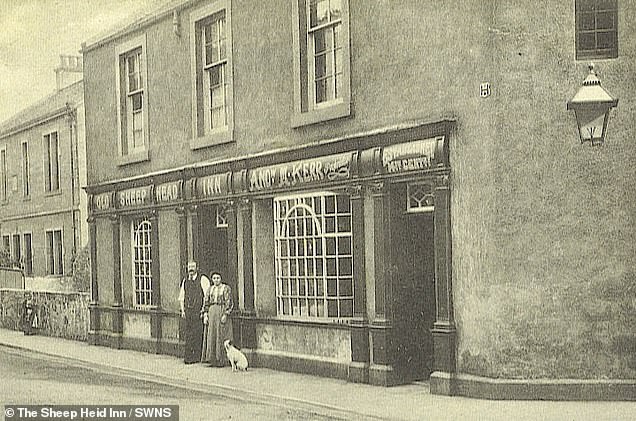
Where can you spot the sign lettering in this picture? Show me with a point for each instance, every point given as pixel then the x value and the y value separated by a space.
pixel 134 197
pixel 411 156
pixel 213 185
pixel 168 192
pixel 102 201
pixel 330 168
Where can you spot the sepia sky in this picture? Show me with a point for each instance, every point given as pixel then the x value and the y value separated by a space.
pixel 33 33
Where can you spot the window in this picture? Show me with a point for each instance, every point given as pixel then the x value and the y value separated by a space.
pixel 212 75
pixel 3 175
pixel 133 101
pixel 6 244
pixel 16 254
pixel 420 198
pixel 221 216
pixel 313 255
pixel 596 29
pixel 28 255
pixel 25 169
pixel 321 66
pixel 54 253
pixel 142 262
pixel 51 163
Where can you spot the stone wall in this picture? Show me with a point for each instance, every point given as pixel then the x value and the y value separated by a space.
pixel 60 314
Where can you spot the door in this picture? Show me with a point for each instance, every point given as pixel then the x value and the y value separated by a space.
pixel 413 254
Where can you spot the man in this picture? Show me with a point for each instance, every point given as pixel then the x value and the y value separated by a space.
pixel 191 295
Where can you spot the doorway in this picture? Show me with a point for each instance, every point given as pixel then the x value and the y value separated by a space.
pixel 412 241
pixel 213 241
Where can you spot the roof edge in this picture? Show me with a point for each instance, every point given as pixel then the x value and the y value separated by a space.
pixel 135 24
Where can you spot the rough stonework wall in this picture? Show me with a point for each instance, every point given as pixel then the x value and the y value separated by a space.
pixel 551 290
pixel 63 315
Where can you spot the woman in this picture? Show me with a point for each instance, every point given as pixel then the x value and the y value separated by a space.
pixel 218 304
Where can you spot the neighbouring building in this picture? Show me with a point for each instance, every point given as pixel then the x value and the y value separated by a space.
pixel 395 191
pixel 43 208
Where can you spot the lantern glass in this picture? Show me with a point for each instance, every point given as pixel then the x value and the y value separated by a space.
pixel 592 122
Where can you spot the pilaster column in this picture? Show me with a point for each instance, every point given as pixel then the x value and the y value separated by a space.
pixel 193 231
pixel 382 252
pixel 381 328
pixel 155 310
pixel 94 304
pixel 245 219
pixel 444 333
pixel 115 225
pixel 360 355
pixel 232 251
pixel 245 261
pixel 183 240
pixel 117 315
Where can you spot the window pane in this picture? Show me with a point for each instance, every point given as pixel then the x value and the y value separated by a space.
pixel 320 41
pixel 605 20
pixel 587 41
pixel 346 308
pixel 332 308
pixel 321 91
pixel 345 288
pixel 137 101
pixel 586 21
pixel 318 12
pixel 606 39
pixel 586 4
pixel 344 246
pixel 335 9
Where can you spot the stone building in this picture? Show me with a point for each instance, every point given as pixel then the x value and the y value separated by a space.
pixel 395 191
pixel 43 208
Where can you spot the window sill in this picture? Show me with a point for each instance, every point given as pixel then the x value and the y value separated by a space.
pixel 214 138
pixel 133 158
pixel 57 192
pixel 319 115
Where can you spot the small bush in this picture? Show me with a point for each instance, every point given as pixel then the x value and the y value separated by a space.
pixel 81 271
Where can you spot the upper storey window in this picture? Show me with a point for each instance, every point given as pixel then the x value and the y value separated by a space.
pixel 596 29
pixel 212 75
pixel 132 100
pixel 321 63
pixel 325 45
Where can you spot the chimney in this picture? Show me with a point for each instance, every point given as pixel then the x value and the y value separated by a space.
pixel 69 71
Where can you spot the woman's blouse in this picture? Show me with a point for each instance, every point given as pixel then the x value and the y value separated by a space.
pixel 219 295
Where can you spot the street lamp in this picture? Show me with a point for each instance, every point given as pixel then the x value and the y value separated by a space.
pixel 592 105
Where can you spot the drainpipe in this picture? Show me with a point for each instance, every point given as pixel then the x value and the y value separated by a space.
pixel 71 117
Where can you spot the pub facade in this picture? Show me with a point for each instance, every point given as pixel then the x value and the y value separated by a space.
pixel 349 168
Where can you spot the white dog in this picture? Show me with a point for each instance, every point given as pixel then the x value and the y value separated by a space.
pixel 236 357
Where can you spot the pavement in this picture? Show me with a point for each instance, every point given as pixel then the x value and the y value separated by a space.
pixel 329 397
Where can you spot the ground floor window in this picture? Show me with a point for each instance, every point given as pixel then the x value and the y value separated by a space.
pixel 313 254
pixel 142 262
pixel 54 254
pixel 28 255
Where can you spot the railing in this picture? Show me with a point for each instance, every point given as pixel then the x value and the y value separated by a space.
pixel 11 278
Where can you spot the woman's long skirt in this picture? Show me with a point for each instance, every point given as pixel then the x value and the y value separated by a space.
pixel 217 334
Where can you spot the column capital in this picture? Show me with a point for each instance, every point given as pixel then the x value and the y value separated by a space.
pixel 355 190
pixel 180 210
pixel 244 203
pixel 442 181
pixel 193 208
pixel 378 188
pixel 114 219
